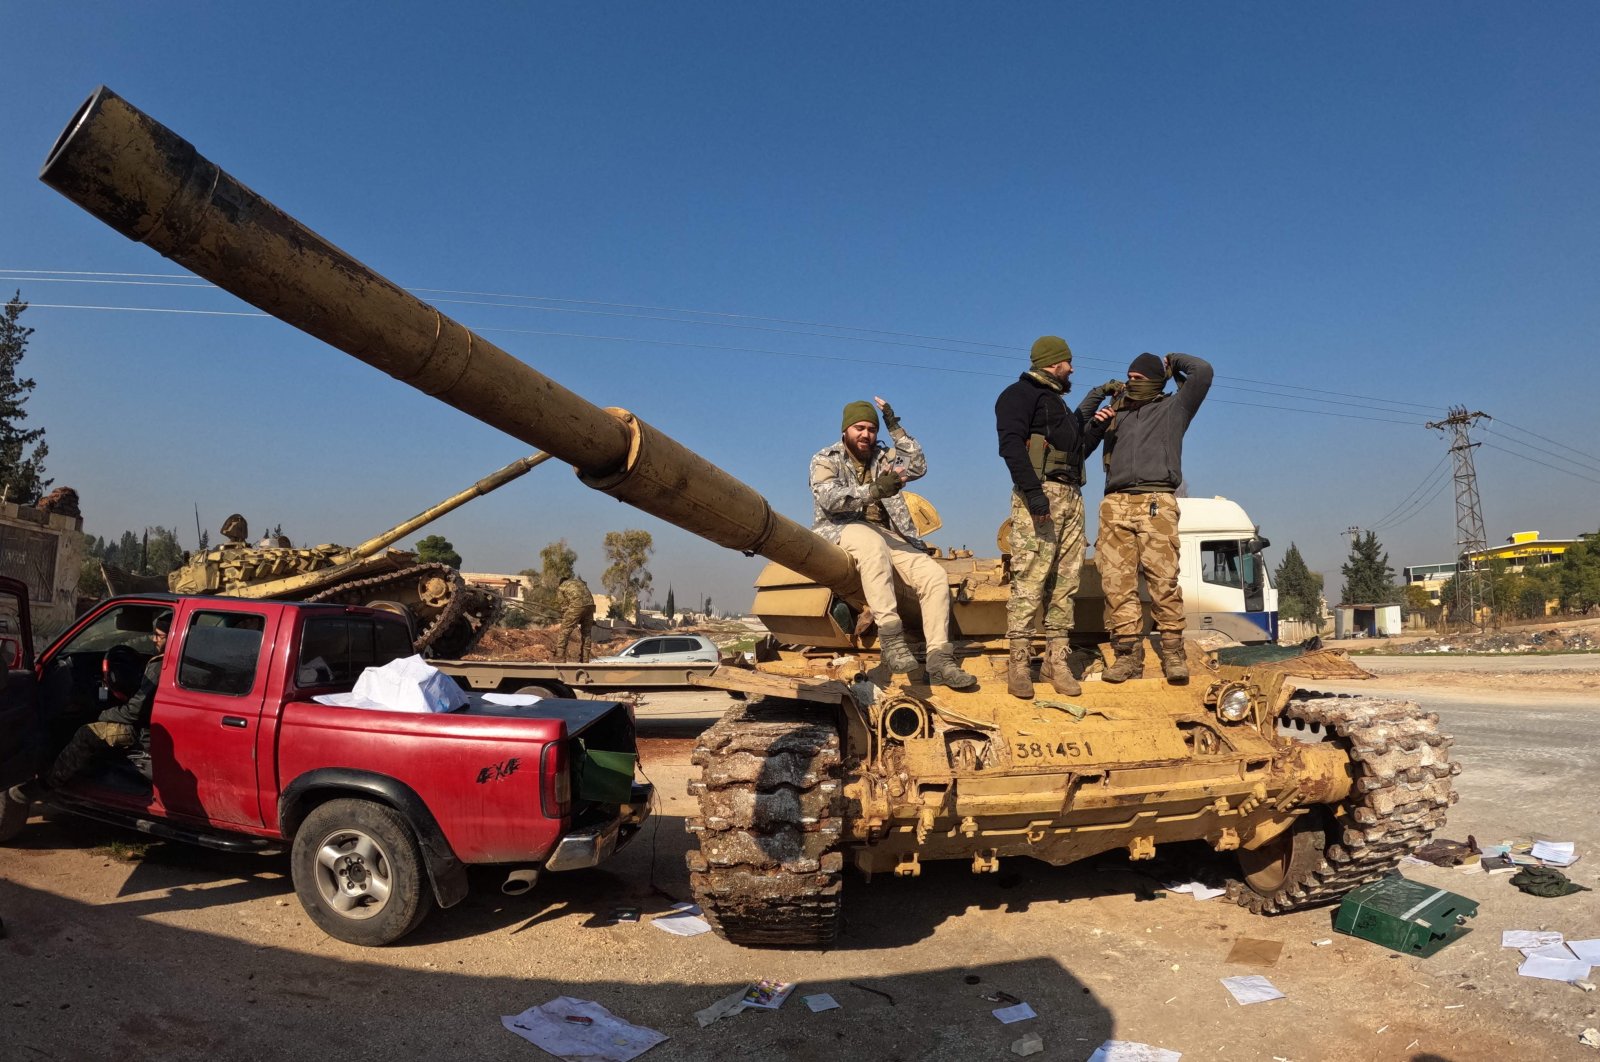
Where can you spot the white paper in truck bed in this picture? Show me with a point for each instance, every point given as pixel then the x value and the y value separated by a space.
pixel 409 684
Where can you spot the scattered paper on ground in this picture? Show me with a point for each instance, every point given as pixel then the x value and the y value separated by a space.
pixel 608 1037
pixel 1554 969
pixel 682 921
pixel 1555 853
pixel 820 1002
pixel 1587 950
pixel 729 1004
pixel 767 995
pixel 1010 1015
pixel 1251 988
pixel 1196 889
pixel 1549 951
pixel 1528 938
pixel 1251 951
pixel 1131 1051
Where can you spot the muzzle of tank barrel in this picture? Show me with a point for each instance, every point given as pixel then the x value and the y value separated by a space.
pixel 152 186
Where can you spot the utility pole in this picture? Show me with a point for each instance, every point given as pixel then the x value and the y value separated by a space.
pixel 1470 537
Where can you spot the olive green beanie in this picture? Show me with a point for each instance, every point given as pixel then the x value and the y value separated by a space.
pixel 856 412
pixel 1050 350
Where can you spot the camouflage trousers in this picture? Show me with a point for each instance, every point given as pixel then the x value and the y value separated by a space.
pixel 1045 565
pixel 883 557
pixel 1139 533
pixel 92 743
pixel 576 624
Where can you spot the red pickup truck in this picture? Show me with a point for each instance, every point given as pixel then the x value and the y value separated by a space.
pixel 381 811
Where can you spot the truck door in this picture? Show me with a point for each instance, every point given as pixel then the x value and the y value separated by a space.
pixel 19 701
pixel 203 726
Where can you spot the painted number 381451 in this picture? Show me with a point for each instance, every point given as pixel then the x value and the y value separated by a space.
pixel 1048 751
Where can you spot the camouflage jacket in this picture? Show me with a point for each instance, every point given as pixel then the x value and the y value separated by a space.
pixel 839 497
pixel 573 594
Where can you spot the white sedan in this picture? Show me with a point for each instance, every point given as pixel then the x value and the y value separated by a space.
pixel 665 649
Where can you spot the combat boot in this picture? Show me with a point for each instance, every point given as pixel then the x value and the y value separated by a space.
pixel 1056 670
pixel 1174 661
pixel 892 647
pixel 1019 683
pixel 943 670
pixel 1129 663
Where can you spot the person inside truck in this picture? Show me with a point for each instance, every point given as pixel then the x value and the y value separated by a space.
pixel 123 724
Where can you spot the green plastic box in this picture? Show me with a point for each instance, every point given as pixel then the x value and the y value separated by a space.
pixel 1405 916
pixel 605 777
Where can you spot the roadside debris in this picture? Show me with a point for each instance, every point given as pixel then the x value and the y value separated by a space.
pixel 767 995
pixel 1446 853
pixel 1251 951
pixel 820 1002
pixel 683 920
pixel 1590 1038
pixel 1546 881
pixel 1403 915
pixel 1555 853
pixel 1132 1051
pixel 568 1027
pixel 1031 1044
pixel 874 991
pixel 728 1005
pixel 1014 1014
pixel 1251 988
pixel 1551 641
pixel 1529 938
pixel 1199 890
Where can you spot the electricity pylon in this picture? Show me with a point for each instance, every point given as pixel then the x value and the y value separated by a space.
pixel 1469 510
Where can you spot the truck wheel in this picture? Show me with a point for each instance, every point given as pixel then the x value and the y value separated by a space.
pixel 13 815
pixel 358 872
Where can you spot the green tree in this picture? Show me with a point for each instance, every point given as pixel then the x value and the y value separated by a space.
pixel 1368 578
pixel 557 562
pixel 436 549
pixel 22 450
pixel 672 605
pixel 1299 588
pixel 1416 598
pixel 1579 575
pixel 626 578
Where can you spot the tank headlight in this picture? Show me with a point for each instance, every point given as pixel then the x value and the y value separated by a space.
pixel 1234 706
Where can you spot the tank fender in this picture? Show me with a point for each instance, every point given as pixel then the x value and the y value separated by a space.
pixel 301 796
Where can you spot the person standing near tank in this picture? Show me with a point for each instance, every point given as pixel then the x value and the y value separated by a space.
pixel 577 618
pixel 1043 444
pixel 1144 427
pixel 856 504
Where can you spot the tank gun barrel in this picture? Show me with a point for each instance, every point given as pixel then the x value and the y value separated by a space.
pixel 493 481
pixel 152 186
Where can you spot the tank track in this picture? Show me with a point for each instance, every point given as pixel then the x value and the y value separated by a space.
pixel 1399 796
pixel 453 631
pixel 768 870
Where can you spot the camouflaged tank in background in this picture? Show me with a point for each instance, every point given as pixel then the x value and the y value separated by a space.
pixel 447 615
pixel 1294 797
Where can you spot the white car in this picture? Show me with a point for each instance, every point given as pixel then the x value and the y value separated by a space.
pixel 666 649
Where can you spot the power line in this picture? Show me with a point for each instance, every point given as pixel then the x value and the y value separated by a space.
pixel 1011 349
pixel 1549 453
pixel 1536 461
pixel 1536 435
pixel 1420 506
pixel 1426 479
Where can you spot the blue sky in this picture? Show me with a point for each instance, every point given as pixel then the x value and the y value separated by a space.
pixel 1386 206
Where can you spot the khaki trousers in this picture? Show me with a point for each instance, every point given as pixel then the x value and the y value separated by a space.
pixel 1139 532
pixel 880 555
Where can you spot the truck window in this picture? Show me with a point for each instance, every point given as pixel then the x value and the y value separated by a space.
pixel 334 650
pixel 1219 562
pixel 220 653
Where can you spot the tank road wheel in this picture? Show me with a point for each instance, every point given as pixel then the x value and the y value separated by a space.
pixel 13 815
pixel 1401 789
pixel 767 872
pixel 358 872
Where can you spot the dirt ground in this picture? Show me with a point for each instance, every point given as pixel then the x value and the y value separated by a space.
pixel 185 953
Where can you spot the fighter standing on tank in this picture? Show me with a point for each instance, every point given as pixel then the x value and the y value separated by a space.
pixel 577 618
pixel 1043 444
pixel 855 490
pixel 1144 429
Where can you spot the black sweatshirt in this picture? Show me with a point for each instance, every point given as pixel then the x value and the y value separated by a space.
pixel 1027 408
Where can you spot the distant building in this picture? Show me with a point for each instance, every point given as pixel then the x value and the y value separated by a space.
pixel 510 587
pixel 1523 549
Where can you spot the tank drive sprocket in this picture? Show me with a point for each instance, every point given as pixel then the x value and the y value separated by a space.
pixel 768 869
pixel 467 612
pixel 1399 795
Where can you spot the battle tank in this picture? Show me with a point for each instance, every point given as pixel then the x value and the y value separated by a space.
pixel 447 615
pixel 830 761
